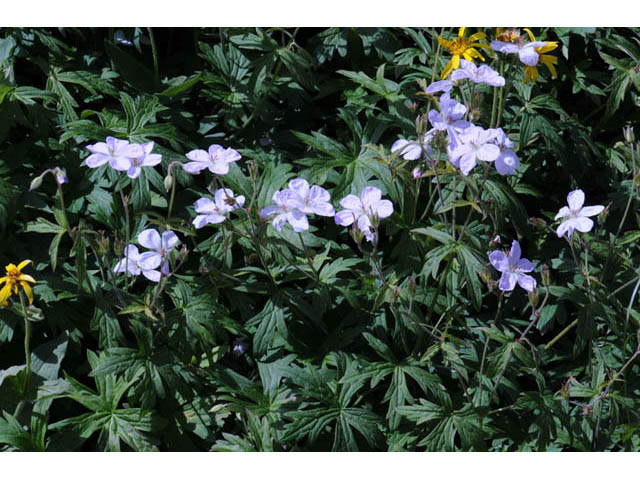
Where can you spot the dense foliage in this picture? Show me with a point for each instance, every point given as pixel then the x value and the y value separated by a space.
pixel 394 333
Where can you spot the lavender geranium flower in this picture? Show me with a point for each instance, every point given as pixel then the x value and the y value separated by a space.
pixel 413 150
pixel 217 160
pixel 61 175
pixel 577 215
pixel 160 246
pixel 285 210
pixel 513 269
pixel 449 118
pixel 129 262
pixel 482 74
pixel 440 86
pixel 507 162
pixel 146 159
pixel 364 211
pixel 475 143
pixel 307 199
pixel 117 152
pixel 215 211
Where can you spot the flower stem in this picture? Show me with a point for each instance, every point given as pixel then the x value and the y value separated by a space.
pixel 154 52
pixel 127 233
pixel 561 334
pixel 309 259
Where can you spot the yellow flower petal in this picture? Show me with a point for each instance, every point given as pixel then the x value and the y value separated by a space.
pixel 548 47
pixel 461 32
pixel 27 278
pixel 4 279
pixel 477 36
pixel 23 264
pixel 530 33
pixel 444 43
pixel 5 293
pixel 447 70
pixel 549 61
pixel 28 291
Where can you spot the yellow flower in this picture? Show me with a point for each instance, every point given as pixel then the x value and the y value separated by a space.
pixel 531 71
pixel 13 278
pixel 462 47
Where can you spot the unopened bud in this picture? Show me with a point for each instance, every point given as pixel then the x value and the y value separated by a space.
pixel 103 243
pixel 546 275
pixel 485 275
pixel 412 286
pixel 356 234
pixel 183 253
pixel 118 247
pixel 394 293
pixel 495 241
pixel 474 114
pixel 538 222
pixel 36 183
pixel 533 298
pixel 416 173
pixel 491 285
pixel 168 181
pixel 603 216
pixel 627 133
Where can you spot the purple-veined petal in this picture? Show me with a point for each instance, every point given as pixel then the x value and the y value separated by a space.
pixel 527 282
pixel 200 221
pixel 96 160
pixel 528 55
pixel 507 163
pixel 467 162
pixel 169 240
pixel 514 253
pixel 382 209
pixel 564 212
pixel 298 221
pixel 300 186
pixel 322 208
pixel 591 211
pixel 99 147
pixel 198 156
pixel 488 152
pixel 279 221
pixel 152 160
pixel 499 260
pixel 345 217
pixel 583 224
pixel 150 238
pixel 219 167
pixel 575 200
pixel 504 47
pixel 204 205
pixel 152 275
pixel 319 194
pixel 370 196
pixel 364 223
pixel 194 167
pixel 351 202
pixel 134 172
pixel 524 265
pixel 149 260
pixel 439 86
pixel 507 281
pixel 268 211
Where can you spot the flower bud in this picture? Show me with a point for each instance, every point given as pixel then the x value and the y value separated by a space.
pixel 36 183
pixel 168 181
pixel 394 294
pixel 485 275
pixel 103 243
pixel 182 254
pixel 412 286
pixel 416 173
pixel 538 222
pixel 118 247
pixel 603 216
pixel 627 133
pixel 61 176
pixel 546 277
pixel 533 298
pixel 495 241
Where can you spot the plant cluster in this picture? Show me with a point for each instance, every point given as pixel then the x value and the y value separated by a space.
pixel 311 239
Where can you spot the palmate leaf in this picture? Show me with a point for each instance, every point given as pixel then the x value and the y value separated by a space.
pixel 115 424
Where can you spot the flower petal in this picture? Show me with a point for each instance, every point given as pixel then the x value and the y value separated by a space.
pixel 152 275
pixel 583 224
pixel 150 238
pixel 149 260
pixel 514 253
pixel 564 212
pixel 499 260
pixel 169 240
pixel 591 211
pixel 524 265
pixel 527 282
pixel 345 217
pixel 575 199
pixel 507 281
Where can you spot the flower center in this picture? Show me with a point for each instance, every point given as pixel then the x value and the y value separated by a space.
pixel 459 46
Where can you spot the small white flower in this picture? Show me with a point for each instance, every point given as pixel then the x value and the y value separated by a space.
pixel 215 212
pixel 578 215
pixel 146 159
pixel 285 210
pixel 217 160
pixel 513 269
pixel 307 199
pixel 364 211
pixel 117 152
pixel 160 246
